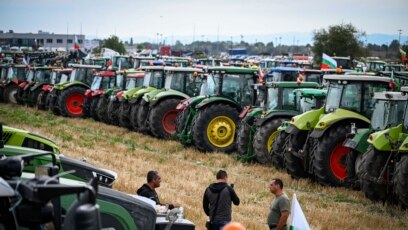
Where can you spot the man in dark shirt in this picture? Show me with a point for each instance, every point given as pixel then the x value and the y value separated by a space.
pixel 149 190
pixel 217 201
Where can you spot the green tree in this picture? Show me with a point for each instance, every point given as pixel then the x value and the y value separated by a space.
pixel 113 43
pixel 339 40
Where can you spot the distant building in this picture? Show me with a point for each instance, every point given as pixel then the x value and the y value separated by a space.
pixel 40 39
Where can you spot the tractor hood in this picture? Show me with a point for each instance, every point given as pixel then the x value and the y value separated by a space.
pixel 307 120
pixel 148 96
pixel 381 140
pixel 65 85
pixel 339 114
pixel 141 92
pixel 167 93
pixel 128 93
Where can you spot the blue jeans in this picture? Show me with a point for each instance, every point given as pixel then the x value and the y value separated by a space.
pixel 218 224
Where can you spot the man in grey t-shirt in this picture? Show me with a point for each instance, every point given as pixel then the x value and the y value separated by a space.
pixel 280 206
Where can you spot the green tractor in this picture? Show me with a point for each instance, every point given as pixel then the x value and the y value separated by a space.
pixel 15 75
pixel 154 79
pixel 388 112
pixel 315 146
pixel 3 79
pixel 59 75
pixel 158 107
pixel 102 81
pixel 259 128
pixel 383 170
pixel 68 98
pixel 134 80
pixel 210 121
pixel 30 89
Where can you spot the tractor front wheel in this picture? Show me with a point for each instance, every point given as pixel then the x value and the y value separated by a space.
pixel 101 109
pixel 92 108
pixel 10 94
pixel 124 108
pixel 134 107
pixel 142 113
pixel 244 141
pixel 401 181
pixel 34 97
pixel 42 100
pixel 71 101
pixel 370 170
pixel 214 128
pixel 113 112
pixel 264 138
pixel 162 118
pixel 294 164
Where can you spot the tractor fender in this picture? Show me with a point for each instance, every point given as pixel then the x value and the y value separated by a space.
pixel 148 96
pixel 74 83
pixel 216 99
pixel 275 115
pixel 36 86
pixel 360 123
pixel 306 120
pixel 167 94
pixel 359 141
pixel 140 93
pixel 47 87
pixel 382 140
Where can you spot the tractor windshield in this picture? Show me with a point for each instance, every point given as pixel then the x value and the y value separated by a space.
pixel 183 82
pixel 288 99
pixel 96 83
pixel 3 73
pixel 238 87
pixel 387 114
pixel 304 104
pixel 156 79
pixel 19 73
pixel 59 77
pixel 84 75
pixel 123 62
pixel 354 96
pixel 102 83
pixel 30 75
pixel 313 77
pixel 272 99
pixel 43 76
pixel 119 80
pixel 134 82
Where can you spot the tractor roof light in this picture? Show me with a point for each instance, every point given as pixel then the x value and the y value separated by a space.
pixel 321 124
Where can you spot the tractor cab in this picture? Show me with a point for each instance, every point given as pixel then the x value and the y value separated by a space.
pixel 393 68
pixel 101 61
pixel 121 62
pixel 83 73
pixel 345 63
pixel 142 61
pixel 375 66
pixel 389 110
pixel 105 80
pixel 60 75
pixel 154 76
pixel 186 80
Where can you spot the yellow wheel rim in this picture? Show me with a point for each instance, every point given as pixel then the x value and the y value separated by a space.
pixel 271 139
pixel 221 131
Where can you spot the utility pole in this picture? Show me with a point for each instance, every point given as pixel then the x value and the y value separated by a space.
pixel 399 36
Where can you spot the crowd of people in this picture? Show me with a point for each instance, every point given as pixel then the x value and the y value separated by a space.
pixel 218 199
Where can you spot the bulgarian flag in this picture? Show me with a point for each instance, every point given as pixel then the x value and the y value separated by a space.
pixel 76 43
pixel 298 219
pixel 403 55
pixel 328 62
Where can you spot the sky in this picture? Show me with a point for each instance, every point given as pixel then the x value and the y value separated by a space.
pixel 152 20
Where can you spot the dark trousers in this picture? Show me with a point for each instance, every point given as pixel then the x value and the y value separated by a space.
pixel 218 224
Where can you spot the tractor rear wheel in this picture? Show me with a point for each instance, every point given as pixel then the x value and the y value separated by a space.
pixel 101 109
pixel 214 128
pixel 352 163
pixel 244 140
pixel 34 97
pixel 162 118
pixel 134 107
pixel 401 181
pixel 142 113
pixel 124 114
pixel 329 164
pixel 92 108
pixel 71 101
pixel 10 94
pixel 264 138
pixel 278 148
pixel 295 165
pixel 42 100
pixel 370 170
pixel 113 112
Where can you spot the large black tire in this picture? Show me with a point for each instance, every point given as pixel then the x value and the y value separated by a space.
pixel 53 103
pixel 86 107
pixel 1 94
pixel 113 112
pixel 294 165
pixel 102 109
pixel 222 116
pixel 21 95
pixel 162 118
pixel 10 94
pixel 124 120
pixel 351 180
pixel 329 163
pixel 370 169
pixel 264 138
pixel 278 148
pixel 134 107
pixel 401 181
pixel 142 115
pixel 181 120
pixel 34 97
pixel 42 100
pixel 243 140
pixel 92 108
pixel 70 101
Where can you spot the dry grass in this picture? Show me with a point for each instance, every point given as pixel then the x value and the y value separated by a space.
pixel 186 173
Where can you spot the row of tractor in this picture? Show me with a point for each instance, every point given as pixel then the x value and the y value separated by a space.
pixel 315 124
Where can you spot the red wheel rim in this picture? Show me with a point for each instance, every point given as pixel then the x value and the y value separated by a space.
pixel 337 161
pixel 169 121
pixel 74 103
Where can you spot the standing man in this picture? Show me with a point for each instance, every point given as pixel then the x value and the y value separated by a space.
pixel 149 190
pixel 217 201
pixel 280 207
